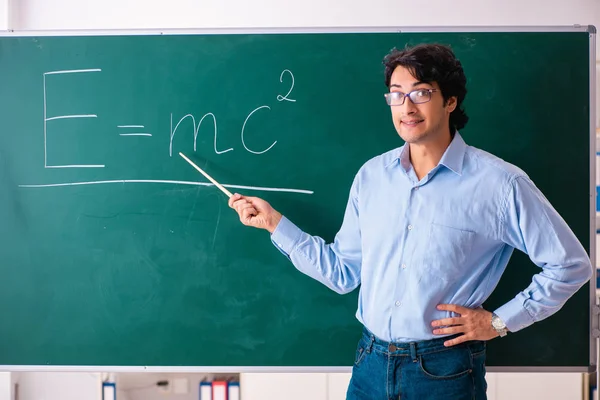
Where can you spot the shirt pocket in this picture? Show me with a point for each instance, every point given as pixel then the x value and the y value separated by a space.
pixel 446 253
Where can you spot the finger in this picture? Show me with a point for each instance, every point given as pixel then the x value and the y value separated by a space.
pixel 448 321
pixel 248 213
pixel 233 199
pixel 452 307
pixel 457 340
pixel 241 204
pixel 245 207
pixel 256 201
pixel 449 330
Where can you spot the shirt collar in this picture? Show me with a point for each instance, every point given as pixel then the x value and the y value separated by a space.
pixel 452 158
pixel 401 155
pixel 455 154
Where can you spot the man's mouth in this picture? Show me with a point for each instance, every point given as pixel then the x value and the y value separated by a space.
pixel 412 122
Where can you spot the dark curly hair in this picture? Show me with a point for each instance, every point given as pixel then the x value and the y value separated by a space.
pixel 433 63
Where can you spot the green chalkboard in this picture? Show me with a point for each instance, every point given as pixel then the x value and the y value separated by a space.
pixel 112 254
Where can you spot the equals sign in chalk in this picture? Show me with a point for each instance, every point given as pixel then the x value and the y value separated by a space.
pixel 133 127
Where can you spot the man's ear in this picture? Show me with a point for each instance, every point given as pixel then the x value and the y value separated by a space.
pixel 451 103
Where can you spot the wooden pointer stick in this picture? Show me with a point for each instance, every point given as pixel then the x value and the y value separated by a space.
pixel 217 184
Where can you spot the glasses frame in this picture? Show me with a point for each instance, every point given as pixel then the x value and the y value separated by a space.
pixel 388 97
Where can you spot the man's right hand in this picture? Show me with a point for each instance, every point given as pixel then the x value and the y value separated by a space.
pixel 255 212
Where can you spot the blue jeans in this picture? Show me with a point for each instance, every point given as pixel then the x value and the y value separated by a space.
pixel 417 370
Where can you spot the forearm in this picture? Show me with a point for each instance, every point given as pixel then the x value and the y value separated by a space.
pixel 547 293
pixel 312 256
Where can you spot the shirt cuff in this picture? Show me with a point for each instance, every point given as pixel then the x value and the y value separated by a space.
pixel 514 314
pixel 286 236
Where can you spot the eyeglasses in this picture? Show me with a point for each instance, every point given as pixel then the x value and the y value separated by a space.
pixel 418 96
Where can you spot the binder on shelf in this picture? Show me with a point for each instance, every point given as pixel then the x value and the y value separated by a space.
pixel 109 391
pixel 233 390
pixel 219 390
pixel 205 391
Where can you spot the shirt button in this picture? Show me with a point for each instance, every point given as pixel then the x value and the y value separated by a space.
pixel 403 266
pixel 410 227
pixel 398 303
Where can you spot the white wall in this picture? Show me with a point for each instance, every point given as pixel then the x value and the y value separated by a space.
pixel 550 386
pixel 5 386
pixel 337 384
pixel 122 395
pixel 130 14
pixel 59 386
pixel 77 14
pixel 276 386
pixel 4 14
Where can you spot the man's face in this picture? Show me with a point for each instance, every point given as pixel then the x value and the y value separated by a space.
pixel 420 123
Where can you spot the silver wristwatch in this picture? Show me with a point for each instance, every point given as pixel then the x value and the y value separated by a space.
pixel 498 325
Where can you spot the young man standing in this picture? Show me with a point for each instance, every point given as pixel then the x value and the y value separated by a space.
pixel 428 231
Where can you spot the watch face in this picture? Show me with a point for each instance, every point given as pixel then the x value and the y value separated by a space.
pixel 496 323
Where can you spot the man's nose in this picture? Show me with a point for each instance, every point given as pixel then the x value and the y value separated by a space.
pixel 408 108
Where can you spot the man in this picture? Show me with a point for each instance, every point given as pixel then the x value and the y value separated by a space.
pixel 428 231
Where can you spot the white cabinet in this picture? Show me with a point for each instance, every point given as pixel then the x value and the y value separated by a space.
pixel 322 386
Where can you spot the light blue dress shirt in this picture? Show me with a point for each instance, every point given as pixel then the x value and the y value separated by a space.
pixel 413 244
